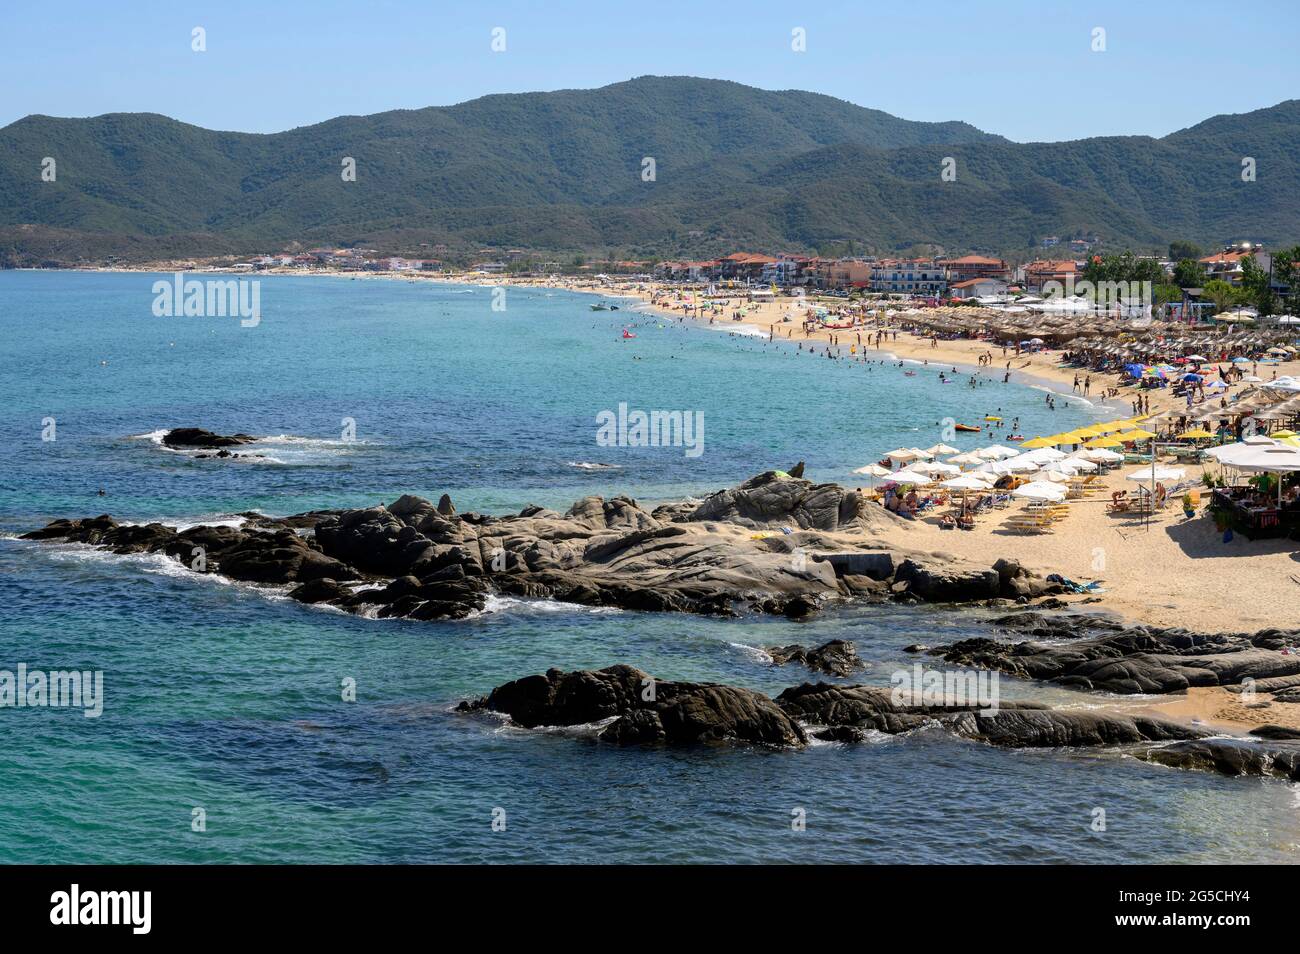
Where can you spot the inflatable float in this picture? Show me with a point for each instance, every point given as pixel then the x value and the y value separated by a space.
pixel 966 427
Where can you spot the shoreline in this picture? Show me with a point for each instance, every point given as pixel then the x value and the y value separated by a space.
pixel 1162 571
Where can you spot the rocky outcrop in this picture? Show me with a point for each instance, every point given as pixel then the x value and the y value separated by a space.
pixel 839 657
pixel 1009 724
pixel 769 501
pixel 644 710
pixel 775 544
pixel 1128 659
pixel 637 709
pixel 1278 759
pixel 197 437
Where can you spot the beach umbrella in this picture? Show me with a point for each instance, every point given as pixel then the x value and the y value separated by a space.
pixel 1103 442
pixel 1037 442
pixel 1040 490
pixel 1149 474
pixel 1196 433
pixel 1079 464
pixel 1020 465
pixel 932 468
pixel 996 452
pixel 1107 456
pixel 965 460
pixel 1053 476
pixel 1135 435
pixel 943 449
pixel 967 482
pixel 1042 455
pixel 1278 435
pixel 1199 359
pixel 903 455
pixel 910 477
pixel 874 470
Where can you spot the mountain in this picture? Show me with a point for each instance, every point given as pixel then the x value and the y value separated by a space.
pixel 561 172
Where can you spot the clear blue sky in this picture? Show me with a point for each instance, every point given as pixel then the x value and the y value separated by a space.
pixel 1022 68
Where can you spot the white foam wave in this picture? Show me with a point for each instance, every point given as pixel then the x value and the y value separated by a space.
pixel 527 605
pixel 754 652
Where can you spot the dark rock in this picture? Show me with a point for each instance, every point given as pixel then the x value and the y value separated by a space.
pixel 197 437
pixel 675 713
pixel 1275 732
pixel 945 583
pixel 319 590
pixel 1013 725
pixel 1131 660
pixel 838 657
pixel 1278 759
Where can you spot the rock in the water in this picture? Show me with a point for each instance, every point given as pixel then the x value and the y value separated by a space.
pixel 683 557
pixel 1278 759
pixel 1137 659
pixel 645 710
pixel 198 437
pixel 1009 724
pixel 839 657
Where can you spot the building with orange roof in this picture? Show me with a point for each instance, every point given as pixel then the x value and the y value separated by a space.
pixel 975 266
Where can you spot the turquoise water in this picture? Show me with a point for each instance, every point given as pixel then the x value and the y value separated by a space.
pixel 227 698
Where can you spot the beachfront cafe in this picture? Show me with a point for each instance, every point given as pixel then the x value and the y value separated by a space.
pixel 1267 504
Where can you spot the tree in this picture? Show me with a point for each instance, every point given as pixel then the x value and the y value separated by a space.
pixel 1286 271
pixel 1180 250
pixel 1189 274
pixel 1165 294
pixel 1256 286
pixel 1221 293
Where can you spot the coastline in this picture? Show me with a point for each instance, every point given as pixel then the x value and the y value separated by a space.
pixel 1191 565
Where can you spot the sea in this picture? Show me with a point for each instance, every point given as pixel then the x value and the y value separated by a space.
pixel 238 726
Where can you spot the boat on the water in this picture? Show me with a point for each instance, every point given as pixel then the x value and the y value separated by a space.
pixel 966 427
pixel 600 306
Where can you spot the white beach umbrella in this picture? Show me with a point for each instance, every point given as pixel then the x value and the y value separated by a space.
pixel 1040 490
pixel 873 470
pixel 932 468
pixel 911 477
pixel 1078 463
pixel 1103 454
pixel 1278 460
pixel 1148 474
pixel 1019 465
pixel 942 450
pixel 903 454
pixel 997 452
pixel 966 459
pixel 967 482
pixel 1043 455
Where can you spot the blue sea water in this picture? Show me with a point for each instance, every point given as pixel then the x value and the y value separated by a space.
pixel 227 698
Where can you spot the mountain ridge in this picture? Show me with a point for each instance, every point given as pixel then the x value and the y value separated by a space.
pixel 561 172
